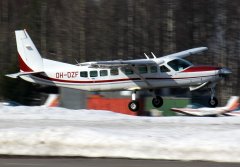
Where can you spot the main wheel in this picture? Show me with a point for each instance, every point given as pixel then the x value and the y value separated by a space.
pixel 213 102
pixel 157 101
pixel 133 105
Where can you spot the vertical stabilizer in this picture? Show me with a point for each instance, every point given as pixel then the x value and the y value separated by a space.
pixel 29 58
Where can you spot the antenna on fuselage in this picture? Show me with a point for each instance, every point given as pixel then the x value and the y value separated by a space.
pixel 153 55
pixel 146 55
pixel 77 61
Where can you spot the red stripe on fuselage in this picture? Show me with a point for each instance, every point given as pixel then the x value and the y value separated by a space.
pixel 73 81
pixel 107 81
pixel 23 66
pixel 201 69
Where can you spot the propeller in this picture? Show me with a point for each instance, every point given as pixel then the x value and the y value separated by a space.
pixel 224 73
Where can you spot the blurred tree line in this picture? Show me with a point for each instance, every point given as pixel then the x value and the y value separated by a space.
pixel 88 30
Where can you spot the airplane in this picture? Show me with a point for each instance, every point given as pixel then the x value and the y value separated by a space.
pixel 231 105
pixel 132 75
pixel 51 101
pixel 235 112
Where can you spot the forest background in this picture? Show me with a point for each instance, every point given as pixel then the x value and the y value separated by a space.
pixel 89 30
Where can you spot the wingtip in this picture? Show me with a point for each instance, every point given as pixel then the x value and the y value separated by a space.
pixel 203 48
pixel 12 75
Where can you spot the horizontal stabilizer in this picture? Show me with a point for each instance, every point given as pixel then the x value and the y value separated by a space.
pixel 16 75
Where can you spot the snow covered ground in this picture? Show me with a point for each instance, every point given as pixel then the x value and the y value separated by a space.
pixel 91 133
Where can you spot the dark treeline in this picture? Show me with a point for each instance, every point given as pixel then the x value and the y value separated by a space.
pixel 88 30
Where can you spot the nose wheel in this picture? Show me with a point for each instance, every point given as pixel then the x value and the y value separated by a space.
pixel 213 102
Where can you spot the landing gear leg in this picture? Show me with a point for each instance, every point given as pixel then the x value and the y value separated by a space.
pixel 213 102
pixel 134 104
pixel 157 101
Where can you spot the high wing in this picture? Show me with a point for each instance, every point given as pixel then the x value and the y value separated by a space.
pixel 120 63
pixel 158 61
pixel 186 53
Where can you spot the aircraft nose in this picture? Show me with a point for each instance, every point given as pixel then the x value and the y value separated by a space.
pixel 225 71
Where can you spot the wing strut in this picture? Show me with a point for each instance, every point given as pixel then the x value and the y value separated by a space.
pixel 141 77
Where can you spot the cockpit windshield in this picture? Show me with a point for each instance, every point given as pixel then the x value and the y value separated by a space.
pixel 179 64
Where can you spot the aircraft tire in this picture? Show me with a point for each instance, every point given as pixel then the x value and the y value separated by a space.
pixel 213 102
pixel 133 105
pixel 157 101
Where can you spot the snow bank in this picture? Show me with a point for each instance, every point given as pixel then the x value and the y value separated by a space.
pixel 91 133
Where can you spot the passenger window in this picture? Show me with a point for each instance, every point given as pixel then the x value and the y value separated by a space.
pixel 164 69
pixel 114 71
pixel 84 74
pixel 142 69
pixel 153 69
pixel 93 73
pixel 128 71
pixel 103 73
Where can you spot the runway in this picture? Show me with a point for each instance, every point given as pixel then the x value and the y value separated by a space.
pixel 102 162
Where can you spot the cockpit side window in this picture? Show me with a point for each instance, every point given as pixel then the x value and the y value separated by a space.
pixel 164 69
pixel 178 64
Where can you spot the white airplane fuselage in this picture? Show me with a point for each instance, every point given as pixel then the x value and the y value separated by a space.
pixel 69 76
